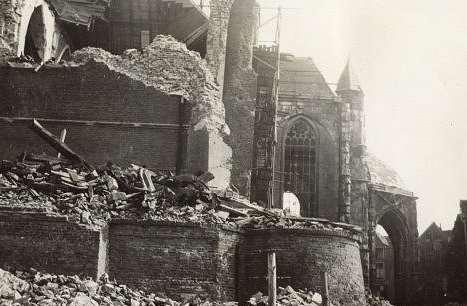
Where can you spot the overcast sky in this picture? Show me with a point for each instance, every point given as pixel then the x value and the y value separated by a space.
pixel 411 57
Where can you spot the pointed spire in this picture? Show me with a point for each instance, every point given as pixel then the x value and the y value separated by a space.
pixel 348 79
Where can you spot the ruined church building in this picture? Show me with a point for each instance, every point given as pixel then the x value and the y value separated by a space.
pixel 319 151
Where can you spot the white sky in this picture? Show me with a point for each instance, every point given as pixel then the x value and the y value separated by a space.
pixel 411 57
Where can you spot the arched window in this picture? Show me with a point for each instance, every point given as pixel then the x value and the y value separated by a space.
pixel 300 166
pixel 35 36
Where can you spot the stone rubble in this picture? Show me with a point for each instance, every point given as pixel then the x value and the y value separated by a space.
pixel 40 289
pixel 92 196
pixel 289 297
pixel 50 184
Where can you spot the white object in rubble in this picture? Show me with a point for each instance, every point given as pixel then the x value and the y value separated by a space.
pixel 291 204
pixel 317 298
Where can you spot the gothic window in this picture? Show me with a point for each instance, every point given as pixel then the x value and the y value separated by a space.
pixel 300 165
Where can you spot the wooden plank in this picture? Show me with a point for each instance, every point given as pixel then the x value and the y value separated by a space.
pixel 232 210
pixel 55 143
pixel 62 139
pixel 272 279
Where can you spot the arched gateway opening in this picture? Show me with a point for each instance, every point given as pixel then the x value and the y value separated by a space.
pixel 35 36
pixel 392 222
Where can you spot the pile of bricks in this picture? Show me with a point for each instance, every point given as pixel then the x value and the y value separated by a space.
pixel 36 288
pixel 288 296
pixel 58 185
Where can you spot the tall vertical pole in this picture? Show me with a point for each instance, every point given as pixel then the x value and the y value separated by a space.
pixel 326 289
pixel 272 279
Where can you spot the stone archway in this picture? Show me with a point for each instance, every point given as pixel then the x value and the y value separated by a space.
pixel 396 213
pixel 36 30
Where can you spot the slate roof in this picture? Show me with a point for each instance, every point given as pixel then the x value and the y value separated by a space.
pixel 379 174
pixel 382 174
pixel 299 77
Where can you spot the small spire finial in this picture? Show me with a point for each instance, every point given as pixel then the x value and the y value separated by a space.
pixel 348 79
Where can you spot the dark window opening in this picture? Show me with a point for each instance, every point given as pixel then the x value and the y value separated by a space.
pixel 300 166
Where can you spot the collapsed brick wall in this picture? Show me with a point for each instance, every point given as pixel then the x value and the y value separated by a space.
pixel 240 89
pixel 170 67
pixel 50 243
pixel 91 101
pixel 180 260
pixel 302 256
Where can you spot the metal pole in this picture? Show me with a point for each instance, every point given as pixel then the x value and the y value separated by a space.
pixel 272 279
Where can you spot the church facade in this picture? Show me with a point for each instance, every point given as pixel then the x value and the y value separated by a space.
pixel 321 157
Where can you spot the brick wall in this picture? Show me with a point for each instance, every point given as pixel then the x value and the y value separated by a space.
pixel 179 260
pixel 183 260
pixel 50 243
pixel 302 256
pixel 108 116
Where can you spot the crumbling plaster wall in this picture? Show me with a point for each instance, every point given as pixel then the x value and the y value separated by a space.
pixel 239 94
pixel 15 16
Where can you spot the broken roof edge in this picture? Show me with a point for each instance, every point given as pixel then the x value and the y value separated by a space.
pixel 82 12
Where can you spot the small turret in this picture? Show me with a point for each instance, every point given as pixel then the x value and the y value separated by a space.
pixel 350 91
pixel 348 81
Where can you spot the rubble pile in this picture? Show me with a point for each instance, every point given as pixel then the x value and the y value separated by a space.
pixel 93 195
pixel 281 221
pixel 376 301
pixel 69 185
pixel 170 67
pixel 58 185
pixel 289 297
pixel 36 288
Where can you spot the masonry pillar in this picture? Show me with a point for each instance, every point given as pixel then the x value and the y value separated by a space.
pixel 217 38
pixel 240 89
pixel 345 181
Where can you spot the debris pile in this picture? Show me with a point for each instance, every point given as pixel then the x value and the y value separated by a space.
pixel 57 185
pixel 289 297
pixel 69 185
pixel 376 301
pixel 167 65
pixel 279 221
pixel 36 288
